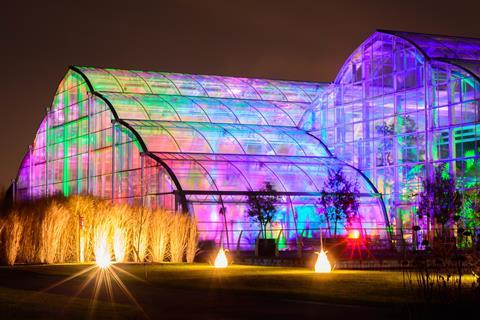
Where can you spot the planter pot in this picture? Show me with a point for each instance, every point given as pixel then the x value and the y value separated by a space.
pixel 266 247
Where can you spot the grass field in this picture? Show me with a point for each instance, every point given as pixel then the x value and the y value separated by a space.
pixel 199 291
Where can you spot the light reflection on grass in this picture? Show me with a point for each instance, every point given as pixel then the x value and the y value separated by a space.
pixel 340 287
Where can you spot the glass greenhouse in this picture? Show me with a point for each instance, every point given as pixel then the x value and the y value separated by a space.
pixel 198 144
pixel 402 104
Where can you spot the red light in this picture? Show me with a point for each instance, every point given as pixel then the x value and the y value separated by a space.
pixel 354 234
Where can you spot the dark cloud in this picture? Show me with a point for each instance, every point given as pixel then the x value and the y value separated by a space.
pixel 298 40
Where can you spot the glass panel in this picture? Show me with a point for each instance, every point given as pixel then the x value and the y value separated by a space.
pixel 257 174
pixel 445 46
pixel 127 107
pixel 293 93
pixel 220 139
pixel 245 113
pixel 130 81
pixel 267 90
pixel 273 114
pixel 282 143
pixel 251 141
pixel 295 111
pixel 214 86
pixel 101 80
pixel 185 84
pixel 71 79
pixel 292 177
pixel 157 108
pixel 158 83
pixel 187 109
pixel 309 144
pixel 216 110
pixel 191 175
pixel 226 175
pixel 158 139
pixel 187 138
pixel 240 88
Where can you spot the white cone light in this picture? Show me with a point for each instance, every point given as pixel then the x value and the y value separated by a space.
pixel 221 259
pixel 322 265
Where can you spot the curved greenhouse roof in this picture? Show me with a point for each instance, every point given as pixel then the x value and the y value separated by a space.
pixel 471 66
pixel 197 137
pixel 228 132
pixel 440 46
pixel 461 52
pixel 205 109
pixel 239 173
pixel 126 81
pixel 215 133
pixel 188 143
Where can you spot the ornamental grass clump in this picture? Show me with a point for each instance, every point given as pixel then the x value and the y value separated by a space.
pixel 191 248
pixel 11 237
pixel 178 237
pixel 160 228
pixel 81 228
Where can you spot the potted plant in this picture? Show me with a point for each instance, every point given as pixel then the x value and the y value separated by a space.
pixel 261 209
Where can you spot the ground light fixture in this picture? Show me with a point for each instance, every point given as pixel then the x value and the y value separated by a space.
pixel 103 261
pixel 354 234
pixel 221 259
pixel 102 251
pixel 322 265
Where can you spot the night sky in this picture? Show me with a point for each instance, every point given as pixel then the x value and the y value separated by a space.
pixel 294 40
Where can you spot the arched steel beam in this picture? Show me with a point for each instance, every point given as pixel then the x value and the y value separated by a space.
pixel 183 198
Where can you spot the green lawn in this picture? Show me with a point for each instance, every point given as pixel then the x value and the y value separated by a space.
pixel 181 291
pixel 368 287
pixel 26 304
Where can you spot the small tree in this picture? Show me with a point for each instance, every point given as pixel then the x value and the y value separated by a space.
pixel 471 209
pixel 261 207
pixel 385 148
pixel 440 200
pixel 339 198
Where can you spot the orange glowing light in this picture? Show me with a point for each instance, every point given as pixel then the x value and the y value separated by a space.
pixel 354 234
pixel 221 259
pixel 102 251
pixel 103 261
pixel 322 265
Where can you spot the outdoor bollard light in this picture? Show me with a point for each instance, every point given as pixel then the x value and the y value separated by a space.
pixel 354 234
pixel 102 250
pixel 103 261
pixel 322 265
pixel 221 259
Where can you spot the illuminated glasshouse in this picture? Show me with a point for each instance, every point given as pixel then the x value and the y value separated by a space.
pixel 197 144
pixel 401 104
